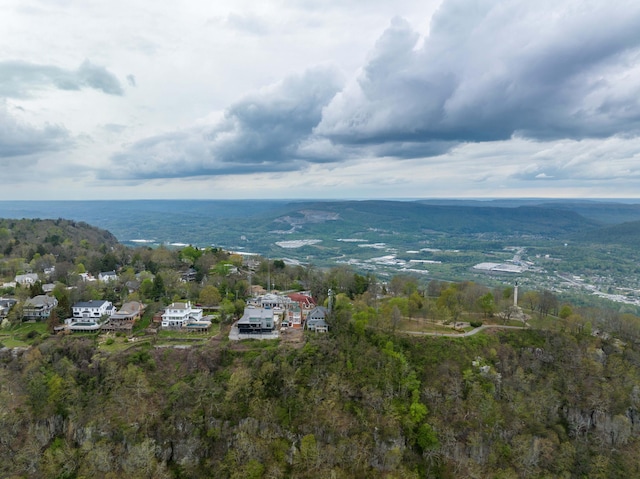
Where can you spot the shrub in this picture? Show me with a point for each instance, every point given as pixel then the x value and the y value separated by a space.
pixel 475 324
pixel 32 334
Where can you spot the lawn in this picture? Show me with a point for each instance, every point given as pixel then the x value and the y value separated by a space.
pixel 424 326
pixel 111 342
pixel 114 344
pixel 22 335
pixel 549 322
pixel 142 324
pixel 169 334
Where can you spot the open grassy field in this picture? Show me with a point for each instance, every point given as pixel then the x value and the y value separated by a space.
pixel 426 326
pixel 22 335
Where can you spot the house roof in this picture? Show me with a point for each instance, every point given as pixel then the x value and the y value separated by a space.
pixel 128 311
pixel 41 300
pixel 92 304
pixel 23 277
pixel 179 306
pixel 7 302
pixel 302 298
pixel 319 312
pixel 131 307
pixel 254 315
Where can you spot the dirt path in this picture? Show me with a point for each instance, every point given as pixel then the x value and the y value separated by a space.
pixel 463 335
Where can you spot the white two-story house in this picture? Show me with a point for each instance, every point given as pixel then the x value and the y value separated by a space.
pixel 107 276
pixel 91 311
pixel 179 315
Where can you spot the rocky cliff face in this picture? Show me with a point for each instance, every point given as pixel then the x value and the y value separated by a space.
pixel 348 405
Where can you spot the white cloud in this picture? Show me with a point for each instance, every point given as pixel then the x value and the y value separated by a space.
pixel 441 98
pixel 538 69
pixel 263 132
pixel 19 139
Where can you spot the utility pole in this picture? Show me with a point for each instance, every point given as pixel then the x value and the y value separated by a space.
pixel 330 294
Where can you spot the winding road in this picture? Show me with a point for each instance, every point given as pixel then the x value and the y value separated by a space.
pixel 463 335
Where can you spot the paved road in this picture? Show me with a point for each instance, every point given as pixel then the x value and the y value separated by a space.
pixel 235 336
pixel 463 335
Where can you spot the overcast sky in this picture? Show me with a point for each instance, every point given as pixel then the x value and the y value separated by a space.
pixel 223 99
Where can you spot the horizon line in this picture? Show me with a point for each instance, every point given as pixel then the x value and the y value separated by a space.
pixel 425 198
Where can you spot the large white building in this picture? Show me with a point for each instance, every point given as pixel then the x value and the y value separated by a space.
pixel 87 315
pixel 92 310
pixel 179 315
pixel 501 267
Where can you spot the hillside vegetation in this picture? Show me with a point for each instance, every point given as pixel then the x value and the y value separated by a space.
pixel 625 234
pixel 375 397
pixel 406 216
pixel 60 238
pixel 50 236
pixel 348 404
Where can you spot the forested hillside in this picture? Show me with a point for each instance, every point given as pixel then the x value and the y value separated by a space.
pixel 382 394
pixel 50 236
pixel 34 244
pixel 406 216
pixel 626 234
pixel 349 404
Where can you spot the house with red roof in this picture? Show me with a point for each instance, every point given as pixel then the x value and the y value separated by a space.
pixel 306 304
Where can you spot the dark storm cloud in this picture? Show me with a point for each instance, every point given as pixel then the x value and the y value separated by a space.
pixel 488 71
pixel 493 69
pixel 20 139
pixel 19 79
pixel 261 133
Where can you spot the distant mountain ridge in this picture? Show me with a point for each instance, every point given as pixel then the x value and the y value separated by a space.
pixel 417 216
pixel 606 212
pixel 627 234
pixel 258 224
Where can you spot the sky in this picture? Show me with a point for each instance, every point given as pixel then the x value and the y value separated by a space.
pixel 133 99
